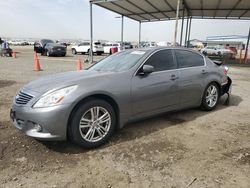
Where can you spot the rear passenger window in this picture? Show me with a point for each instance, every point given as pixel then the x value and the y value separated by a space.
pixel 162 60
pixel 188 59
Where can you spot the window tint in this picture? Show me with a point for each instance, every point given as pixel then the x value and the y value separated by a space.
pixel 188 59
pixel 162 60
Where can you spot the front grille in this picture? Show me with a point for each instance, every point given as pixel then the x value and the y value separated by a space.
pixel 23 98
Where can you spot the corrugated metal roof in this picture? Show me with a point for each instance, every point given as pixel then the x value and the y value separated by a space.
pixel 157 10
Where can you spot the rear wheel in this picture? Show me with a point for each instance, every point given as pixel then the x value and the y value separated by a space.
pixel 92 123
pixel 210 97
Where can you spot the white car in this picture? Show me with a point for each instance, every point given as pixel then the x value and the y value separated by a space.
pixel 212 50
pixel 107 47
pixel 84 48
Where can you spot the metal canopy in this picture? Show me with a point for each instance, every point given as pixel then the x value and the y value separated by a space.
pixel 157 10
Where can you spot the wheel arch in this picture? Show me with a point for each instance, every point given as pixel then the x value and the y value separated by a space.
pixel 104 97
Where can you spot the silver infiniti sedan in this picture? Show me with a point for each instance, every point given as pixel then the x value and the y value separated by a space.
pixel 87 106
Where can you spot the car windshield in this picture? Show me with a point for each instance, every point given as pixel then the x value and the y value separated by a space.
pixel 119 62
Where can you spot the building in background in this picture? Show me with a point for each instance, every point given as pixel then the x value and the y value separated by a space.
pixel 238 41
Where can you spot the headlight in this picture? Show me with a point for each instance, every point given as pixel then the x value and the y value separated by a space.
pixel 54 98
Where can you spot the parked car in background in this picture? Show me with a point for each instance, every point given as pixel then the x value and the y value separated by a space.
pixel 39 45
pixel 216 50
pixel 54 49
pixel 148 44
pixel 107 47
pixel 234 51
pixel 6 52
pixel 127 45
pixel 87 106
pixel 84 48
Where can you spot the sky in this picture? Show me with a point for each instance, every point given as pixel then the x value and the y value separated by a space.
pixel 69 19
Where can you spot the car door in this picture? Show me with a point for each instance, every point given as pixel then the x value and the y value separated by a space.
pixel 192 76
pixel 157 91
pixel 80 48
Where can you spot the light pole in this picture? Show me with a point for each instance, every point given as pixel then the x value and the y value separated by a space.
pixel 122 23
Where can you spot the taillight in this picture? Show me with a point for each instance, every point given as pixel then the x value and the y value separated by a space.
pixel 226 69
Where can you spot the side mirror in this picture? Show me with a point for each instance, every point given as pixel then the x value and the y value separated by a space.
pixel 147 69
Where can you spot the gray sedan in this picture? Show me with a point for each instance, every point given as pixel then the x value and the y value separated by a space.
pixel 87 106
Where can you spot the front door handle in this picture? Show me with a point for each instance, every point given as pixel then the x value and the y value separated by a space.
pixel 174 77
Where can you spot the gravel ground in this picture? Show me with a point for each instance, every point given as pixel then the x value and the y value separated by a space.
pixel 190 148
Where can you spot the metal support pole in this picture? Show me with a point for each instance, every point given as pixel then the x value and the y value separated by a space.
pixel 122 34
pixel 189 31
pixel 246 50
pixel 139 45
pixel 185 42
pixel 176 21
pixel 91 34
pixel 182 23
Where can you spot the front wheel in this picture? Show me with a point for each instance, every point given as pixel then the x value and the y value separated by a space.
pixel 92 123
pixel 210 97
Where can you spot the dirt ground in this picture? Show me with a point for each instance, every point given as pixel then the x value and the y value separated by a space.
pixel 190 148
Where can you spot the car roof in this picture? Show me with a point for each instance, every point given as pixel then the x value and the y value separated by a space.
pixel 152 49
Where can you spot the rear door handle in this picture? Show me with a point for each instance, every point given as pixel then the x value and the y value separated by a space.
pixel 174 77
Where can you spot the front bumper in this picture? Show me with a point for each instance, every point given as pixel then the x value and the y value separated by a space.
pixel 58 52
pixel 42 123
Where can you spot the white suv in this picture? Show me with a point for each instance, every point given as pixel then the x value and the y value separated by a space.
pixel 84 48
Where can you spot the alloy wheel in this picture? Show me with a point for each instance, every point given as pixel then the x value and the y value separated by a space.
pixel 95 124
pixel 211 96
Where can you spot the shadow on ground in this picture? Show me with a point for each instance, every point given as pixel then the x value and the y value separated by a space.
pixel 145 127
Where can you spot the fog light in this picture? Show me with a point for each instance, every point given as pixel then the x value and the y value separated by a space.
pixel 37 127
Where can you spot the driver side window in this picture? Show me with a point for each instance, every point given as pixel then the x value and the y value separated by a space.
pixel 162 60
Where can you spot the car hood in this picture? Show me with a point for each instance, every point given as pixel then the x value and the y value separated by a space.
pixel 61 80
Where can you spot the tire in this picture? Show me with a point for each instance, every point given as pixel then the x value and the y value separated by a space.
pixel 210 97
pixel 89 135
pixel 74 52
pixel 99 53
pixel 88 51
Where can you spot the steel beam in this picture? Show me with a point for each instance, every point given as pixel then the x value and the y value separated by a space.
pixel 189 31
pixel 91 34
pixel 122 22
pixel 246 50
pixel 182 23
pixel 235 5
pixel 185 42
pixel 176 21
pixel 139 45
